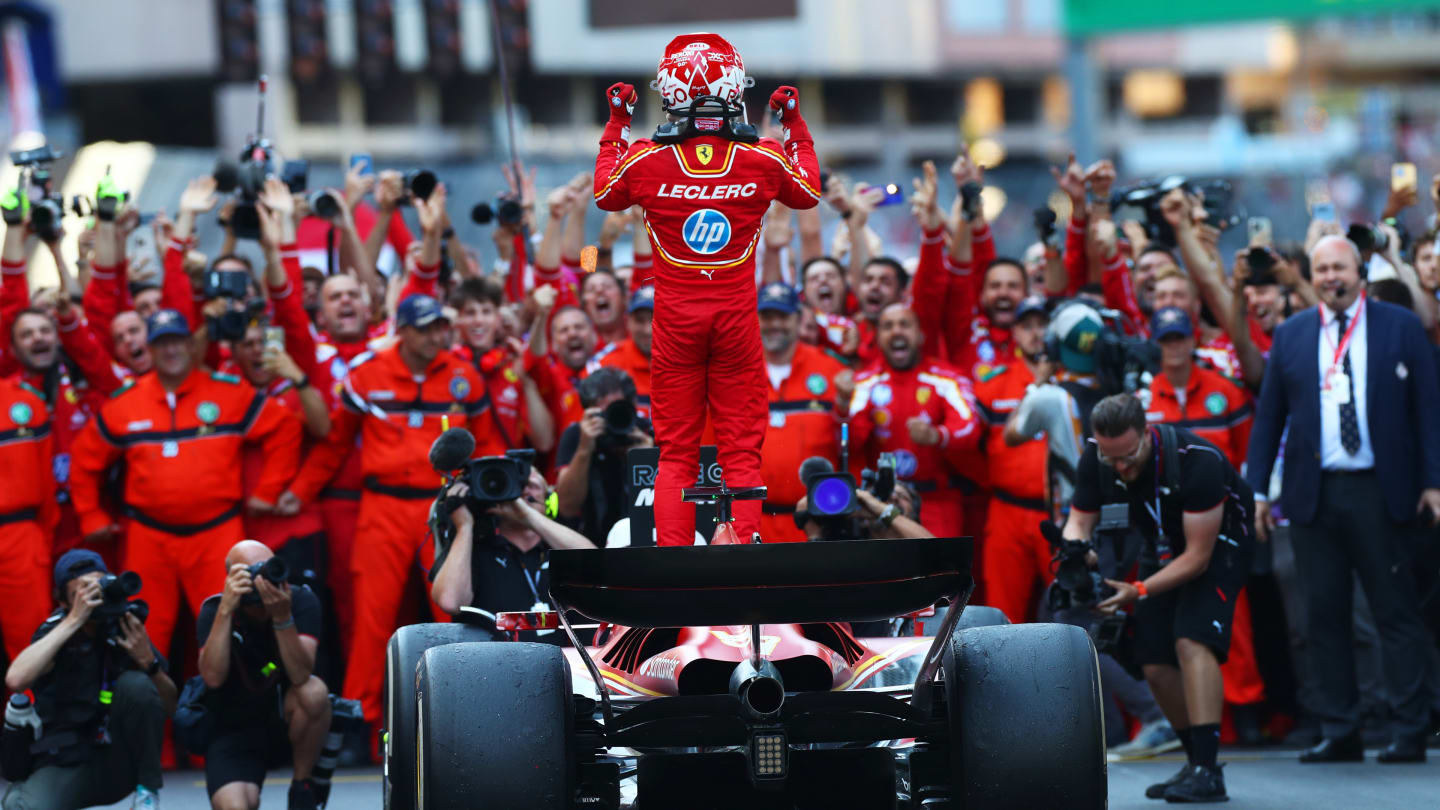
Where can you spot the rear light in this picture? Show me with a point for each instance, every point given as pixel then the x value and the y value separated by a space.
pixel 769 755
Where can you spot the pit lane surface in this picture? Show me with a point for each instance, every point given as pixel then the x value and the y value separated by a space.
pixel 1262 779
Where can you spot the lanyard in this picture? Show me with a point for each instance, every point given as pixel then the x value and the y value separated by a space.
pixel 1344 340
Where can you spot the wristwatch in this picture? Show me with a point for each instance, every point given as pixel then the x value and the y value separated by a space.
pixel 888 516
pixel 303 382
pixel 155 666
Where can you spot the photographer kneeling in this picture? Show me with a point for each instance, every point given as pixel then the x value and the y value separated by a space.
pixel 478 572
pixel 101 697
pixel 1194 512
pixel 257 657
pixel 590 485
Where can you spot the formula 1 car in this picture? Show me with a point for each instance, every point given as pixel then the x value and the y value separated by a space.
pixel 727 676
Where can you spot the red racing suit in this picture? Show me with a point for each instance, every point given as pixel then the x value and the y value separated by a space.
pixel 704 199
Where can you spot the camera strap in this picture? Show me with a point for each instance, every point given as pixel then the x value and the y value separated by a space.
pixel 1167 482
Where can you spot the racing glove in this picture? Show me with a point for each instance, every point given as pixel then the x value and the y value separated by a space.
pixel 785 101
pixel 620 98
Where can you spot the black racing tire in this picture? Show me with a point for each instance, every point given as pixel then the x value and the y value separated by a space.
pixel 1026 723
pixel 496 727
pixel 398 743
pixel 981 616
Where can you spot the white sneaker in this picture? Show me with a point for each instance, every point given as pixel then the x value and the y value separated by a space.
pixel 145 799
pixel 1153 738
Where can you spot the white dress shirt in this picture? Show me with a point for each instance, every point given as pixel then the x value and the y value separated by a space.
pixel 1332 452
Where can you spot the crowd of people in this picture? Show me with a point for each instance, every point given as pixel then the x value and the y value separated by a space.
pixel 160 421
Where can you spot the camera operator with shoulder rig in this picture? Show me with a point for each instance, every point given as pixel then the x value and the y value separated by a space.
pixel 495 559
pixel 258 639
pixel 1194 513
pixel 590 485
pixel 101 697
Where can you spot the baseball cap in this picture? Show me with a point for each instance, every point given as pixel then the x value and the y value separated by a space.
pixel 779 297
pixel 77 562
pixel 164 323
pixel 644 298
pixel 1030 306
pixel 418 311
pixel 1076 327
pixel 1169 322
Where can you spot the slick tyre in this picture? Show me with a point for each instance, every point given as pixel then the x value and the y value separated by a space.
pixel 398 743
pixel 495 727
pixel 1026 722
pixel 981 616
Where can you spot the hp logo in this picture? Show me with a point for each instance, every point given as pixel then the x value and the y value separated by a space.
pixel 707 231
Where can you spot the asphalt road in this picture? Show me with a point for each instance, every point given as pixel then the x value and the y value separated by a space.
pixel 1262 779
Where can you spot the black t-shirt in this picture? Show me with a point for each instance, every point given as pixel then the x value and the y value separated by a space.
pixel 1206 480
pixel 605 501
pixel 503 578
pixel 256 672
pixel 71 696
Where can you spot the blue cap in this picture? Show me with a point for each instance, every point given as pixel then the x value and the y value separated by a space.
pixel 644 298
pixel 1030 306
pixel 164 323
pixel 77 562
pixel 1169 322
pixel 418 311
pixel 779 297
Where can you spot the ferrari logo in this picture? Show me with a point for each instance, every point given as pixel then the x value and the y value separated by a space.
pixel 922 396
pixel 704 152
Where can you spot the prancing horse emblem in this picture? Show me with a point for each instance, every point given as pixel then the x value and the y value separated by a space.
pixel 704 152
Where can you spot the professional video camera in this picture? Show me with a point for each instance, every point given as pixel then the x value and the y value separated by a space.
pixel 1217 198
pixel 274 570
pixel 1124 363
pixel 233 286
pixel 259 161
pixel 117 591
pixel 830 498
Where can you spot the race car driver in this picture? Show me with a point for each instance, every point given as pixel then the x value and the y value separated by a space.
pixel 705 182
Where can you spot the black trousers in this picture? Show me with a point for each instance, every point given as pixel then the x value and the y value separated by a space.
pixel 1353 535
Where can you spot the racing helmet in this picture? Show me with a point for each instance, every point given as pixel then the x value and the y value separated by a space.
pixel 701 81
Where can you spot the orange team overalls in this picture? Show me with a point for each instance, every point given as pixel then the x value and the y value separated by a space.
pixel 803 423
pixel 1219 410
pixel 1015 556
pixel 397 417
pixel 184 487
pixel 28 513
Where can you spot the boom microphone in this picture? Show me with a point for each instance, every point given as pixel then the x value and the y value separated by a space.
pixel 813 466
pixel 451 449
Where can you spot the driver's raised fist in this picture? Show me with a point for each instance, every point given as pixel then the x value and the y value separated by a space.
pixel 786 100
pixel 621 98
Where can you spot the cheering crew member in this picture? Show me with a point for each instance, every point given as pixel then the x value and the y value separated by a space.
pixel 396 401
pixel 520 411
pixel 920 411
pixel 27 512
pixel 1188 395
pixel 1016 557
pixel 632 355
pixel 1195 514
pixel 180 433
pixel 803 417
pixel 571 342
pixel 705 184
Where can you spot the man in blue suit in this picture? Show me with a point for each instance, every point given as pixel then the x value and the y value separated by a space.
pixel 1356 380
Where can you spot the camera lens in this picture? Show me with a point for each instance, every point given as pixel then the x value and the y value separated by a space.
pixel 832 497
pixel 620 417
pixel 422 183
pixel 324 204
pixel 493 482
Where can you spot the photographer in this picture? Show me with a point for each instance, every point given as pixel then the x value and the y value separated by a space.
pixel 257 656
pixel 101 694
pixel 590 484
pixel 516 531
pixel 1194 512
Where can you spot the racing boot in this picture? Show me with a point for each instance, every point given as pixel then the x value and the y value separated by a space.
pixel 302 796
pixel 1199 784
pixel 1157 790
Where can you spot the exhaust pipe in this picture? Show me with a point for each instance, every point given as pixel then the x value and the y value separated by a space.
pixel 759 689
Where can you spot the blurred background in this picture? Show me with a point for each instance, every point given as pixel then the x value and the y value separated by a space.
pixel 1292 101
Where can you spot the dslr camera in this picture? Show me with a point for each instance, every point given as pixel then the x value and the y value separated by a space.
pixel 620 422
pixel 274 570
pixel 1217 200
pixel 506 211
pixel 118 591
pixel 258 161
pixel 35 193
pixel 234 287
pixel 497 479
